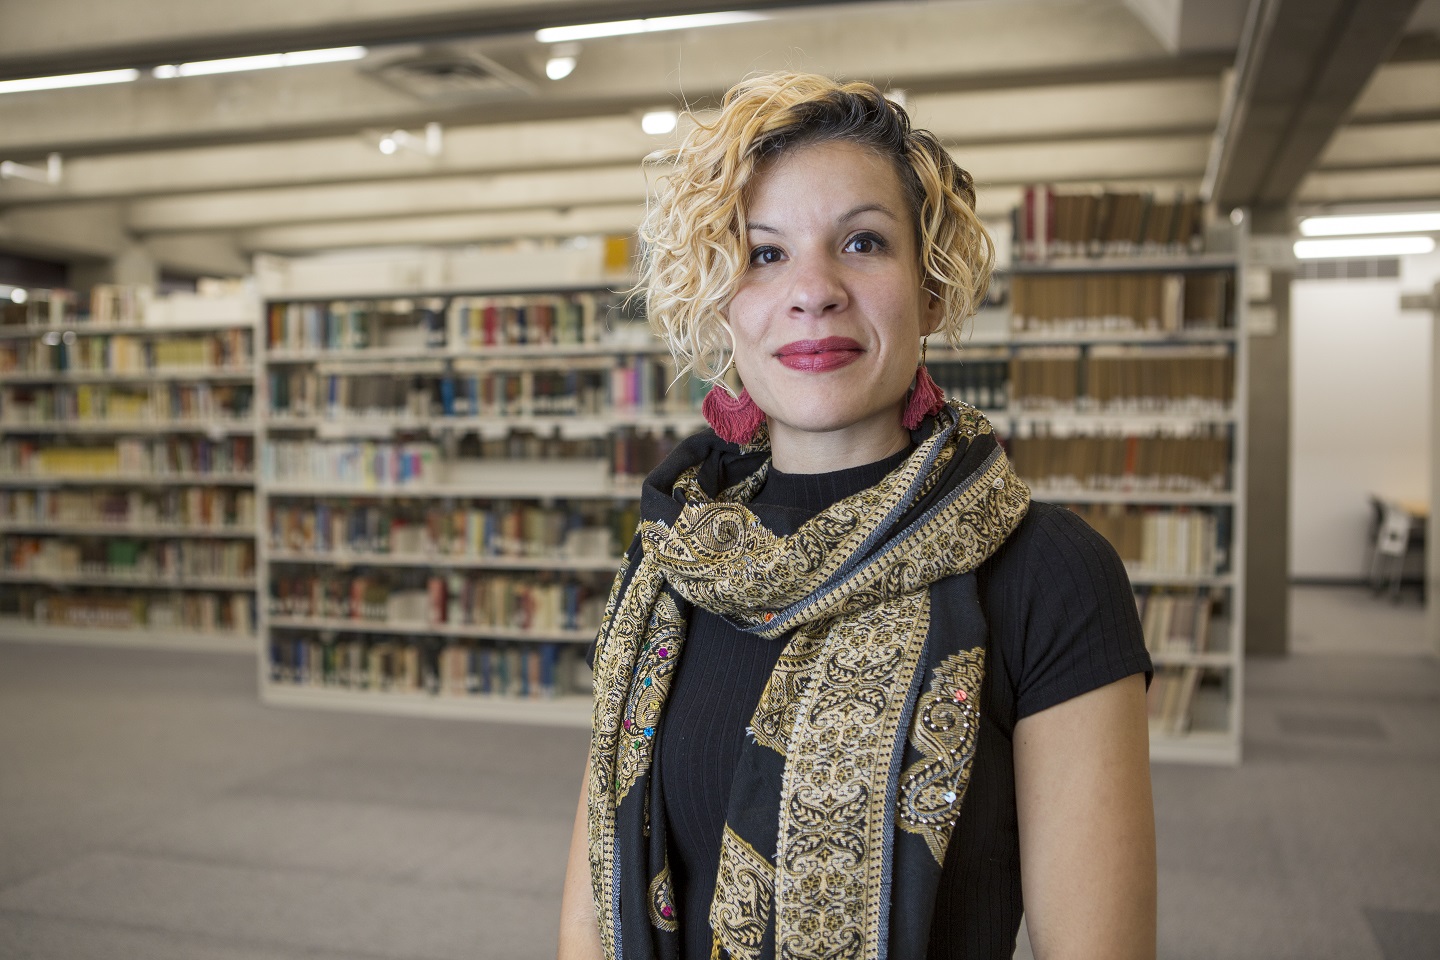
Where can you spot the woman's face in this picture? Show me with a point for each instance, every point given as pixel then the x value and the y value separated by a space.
pixel 828 316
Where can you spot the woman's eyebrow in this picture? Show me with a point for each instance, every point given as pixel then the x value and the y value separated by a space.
pixel 847 215
pixel 866 208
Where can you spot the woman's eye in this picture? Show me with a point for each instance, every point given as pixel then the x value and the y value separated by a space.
pixel 762 255
pixel 865 243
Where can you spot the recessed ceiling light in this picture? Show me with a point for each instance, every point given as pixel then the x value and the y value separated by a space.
pixel 657 122
pixel 616 28
pixel 558 68
pixel 1343 226
pixel 263 61
pixel 1363 247
pixel 94 79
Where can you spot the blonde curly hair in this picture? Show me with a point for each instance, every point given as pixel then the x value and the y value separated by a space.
pixel 694 248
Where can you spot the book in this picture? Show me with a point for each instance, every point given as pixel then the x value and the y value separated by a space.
pixel 1054 226
pixel 1120 302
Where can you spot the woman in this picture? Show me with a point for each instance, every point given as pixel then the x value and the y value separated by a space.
pixel 855 694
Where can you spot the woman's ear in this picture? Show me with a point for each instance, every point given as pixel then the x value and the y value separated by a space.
pixel 932 312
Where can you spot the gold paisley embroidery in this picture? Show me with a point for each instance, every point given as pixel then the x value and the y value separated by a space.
pixel 616 651
pixel 717 551
pixel 747 572
pixel 662 900
pixel 744 889
pixel 956 539
pixel 829 874
pixel 784 693
pixel 664 636
pixel 947 723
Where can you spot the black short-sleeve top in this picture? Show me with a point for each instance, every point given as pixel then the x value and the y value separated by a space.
pixel 1062 621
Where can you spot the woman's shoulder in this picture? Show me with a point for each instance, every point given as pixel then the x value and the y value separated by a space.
pixel 1052 538
pixel 1060 609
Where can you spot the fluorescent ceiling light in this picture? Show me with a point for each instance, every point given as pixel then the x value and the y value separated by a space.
pixel 1427 222
pixel 616 28
pixel 656 122
pixel 69 80
pixel 1363 247
pixel 264 61
pixel 558 68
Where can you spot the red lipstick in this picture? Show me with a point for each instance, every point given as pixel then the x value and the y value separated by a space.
pixel 831 353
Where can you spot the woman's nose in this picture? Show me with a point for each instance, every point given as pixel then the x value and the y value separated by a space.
pixel 816 287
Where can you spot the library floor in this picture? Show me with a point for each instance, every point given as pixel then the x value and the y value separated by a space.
pixel 151 808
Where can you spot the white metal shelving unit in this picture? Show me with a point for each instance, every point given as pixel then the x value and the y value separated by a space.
pixel 520 480
pixel 30 496
pixel 1215 715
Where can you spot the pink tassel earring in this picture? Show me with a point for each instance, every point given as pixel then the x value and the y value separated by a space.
pixel 926 397
pixel 733 418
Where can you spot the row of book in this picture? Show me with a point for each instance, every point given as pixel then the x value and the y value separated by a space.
pixel 502 528
pixel 629 453
pixel 435 323
pixel 157 456
pixel 57 352
pixel 631 384
pixel 1157 463
pixel 981 383
pixel 155 402
pixel 1120 303
pixel 214 508
pixel 1163 541
pixel 42 308
pixel 1173 697
pixel 551 319
pixel 1113 377
pixel 367 464
pixel 539 602
pixel 1051 225
pixel 1177 620
pixel 377 664
pixel 122 557
pixel 119 303
pixel 157 610
pixel 304 393
pixel 355 324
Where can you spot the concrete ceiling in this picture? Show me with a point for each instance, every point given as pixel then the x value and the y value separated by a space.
pixel 202 172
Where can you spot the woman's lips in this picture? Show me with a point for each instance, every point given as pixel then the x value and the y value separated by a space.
pixel 831 353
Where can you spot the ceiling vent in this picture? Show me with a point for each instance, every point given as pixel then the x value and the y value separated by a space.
pixel 449 75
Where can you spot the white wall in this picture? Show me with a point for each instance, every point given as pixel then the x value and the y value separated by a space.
pixel 1360 412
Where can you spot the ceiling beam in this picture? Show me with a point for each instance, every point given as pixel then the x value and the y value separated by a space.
pixel 41 39
pixel 1301 66
pixel 1177 160
pixel 982 123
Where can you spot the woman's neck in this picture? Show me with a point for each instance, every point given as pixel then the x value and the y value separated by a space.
pixel 800 451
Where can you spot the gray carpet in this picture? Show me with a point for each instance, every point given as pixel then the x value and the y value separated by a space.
pixel 151 808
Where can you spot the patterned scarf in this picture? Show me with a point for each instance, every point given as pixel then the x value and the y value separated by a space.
pixel 856 761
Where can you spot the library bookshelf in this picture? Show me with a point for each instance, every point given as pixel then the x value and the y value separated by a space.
pixel 127 509
pixel 1126 401
pixel 446 484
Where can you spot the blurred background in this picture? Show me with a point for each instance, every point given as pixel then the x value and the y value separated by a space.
pixel 323 413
